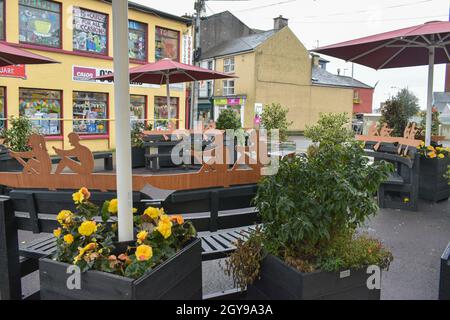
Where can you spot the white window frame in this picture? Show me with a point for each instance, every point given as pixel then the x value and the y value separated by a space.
pixel 228 89
pixel 228 65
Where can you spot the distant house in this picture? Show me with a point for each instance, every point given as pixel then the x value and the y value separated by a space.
pixel 362 93
pixel 271 67
pixel 441 101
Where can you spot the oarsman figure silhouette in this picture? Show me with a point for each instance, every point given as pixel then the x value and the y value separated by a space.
pixel 84 163
pixel 39 161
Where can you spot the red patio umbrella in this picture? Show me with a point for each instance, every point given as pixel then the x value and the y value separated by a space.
pixel 167 71
pixel 12 56
pixel 425 44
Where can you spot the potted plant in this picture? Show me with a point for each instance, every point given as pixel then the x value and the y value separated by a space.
pixel 308 246
pixel 137 145
pixel 15 138
pixel 164 262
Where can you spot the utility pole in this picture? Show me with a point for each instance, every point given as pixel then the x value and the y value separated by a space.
pixel 199 7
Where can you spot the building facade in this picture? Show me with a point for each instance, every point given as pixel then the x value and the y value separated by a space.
pixel 272 67
pixel 65 97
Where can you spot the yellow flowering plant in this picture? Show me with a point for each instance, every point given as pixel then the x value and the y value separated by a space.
pixel 87 238
pixel 432 152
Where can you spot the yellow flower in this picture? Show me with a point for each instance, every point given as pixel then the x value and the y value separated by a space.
pixel 432 155
pixel 85 192
pixel 78 197
pixel 430 148
pixel 141 236
pixel 441 156
pixel 178 219
pixel 112 207
pixel 144 252
pixel 438 148
pixel 153 213
pixel 422 143
pixel 87 228
pixel 164 228
pixel 68 238
pixel 64 217
pixel 134 210
pixel 82 251
pixel 57 232
pixel 405 200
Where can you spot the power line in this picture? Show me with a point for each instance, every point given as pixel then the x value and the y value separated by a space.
pixel 368 20
pixel 266 6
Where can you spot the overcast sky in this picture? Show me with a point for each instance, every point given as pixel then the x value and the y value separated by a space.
pixel 329 21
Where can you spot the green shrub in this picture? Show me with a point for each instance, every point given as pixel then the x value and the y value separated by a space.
pixel 312 207
pixel 136 133
pixel 17 134
pixel 274 116
pixel 228 119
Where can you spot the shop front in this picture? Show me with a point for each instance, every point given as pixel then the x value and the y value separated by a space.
pixel 236 103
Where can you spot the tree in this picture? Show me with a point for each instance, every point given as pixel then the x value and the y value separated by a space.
pixel 398 110
pixel 228 119
pixel 274 116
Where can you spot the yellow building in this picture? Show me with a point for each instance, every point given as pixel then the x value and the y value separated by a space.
pixel 63 98
pixel 272 67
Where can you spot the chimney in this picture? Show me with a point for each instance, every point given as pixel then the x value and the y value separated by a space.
pixel 315 60
pixel 280 22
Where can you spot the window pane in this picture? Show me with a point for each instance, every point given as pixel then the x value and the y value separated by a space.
pixel 42 106
pixel 91 111
pixel 2 19
pixel 137 40
pixel 163 114
pixel 90 31
pixel 2 108
pixel 40 22
pixel 167 44
pixel 137 109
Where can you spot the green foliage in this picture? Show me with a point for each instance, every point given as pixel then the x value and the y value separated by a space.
pixel 17 134
pixel 274 116
pixel 312 207
pixel 136 133
pixel 228 119
pixel 398 110
pixel 435 122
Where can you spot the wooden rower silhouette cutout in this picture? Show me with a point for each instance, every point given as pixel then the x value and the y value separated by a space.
pixel 79 159
pixel 39 161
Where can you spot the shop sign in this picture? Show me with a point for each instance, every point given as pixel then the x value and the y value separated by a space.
pixel 229 101
pixel 89 74
pixel 17 71
pixel 187 49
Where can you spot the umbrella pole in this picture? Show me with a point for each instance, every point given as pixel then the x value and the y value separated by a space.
pixel 122 125
pixel 168 96
pixel 430 96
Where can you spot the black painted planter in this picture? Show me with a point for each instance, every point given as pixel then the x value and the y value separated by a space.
pixel 433 186
pixel 8 164
pixel 279 281
pixel 137 157
pixel 179 278
pixel 444 278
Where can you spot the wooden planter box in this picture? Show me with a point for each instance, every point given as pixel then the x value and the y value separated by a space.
pixel 444 278
pixel 433 186
pixel 281 282
pixel 137 157
pixel 179 278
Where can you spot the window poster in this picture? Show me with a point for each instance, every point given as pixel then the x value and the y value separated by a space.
pixel 90 31
pixel 90 112
pixel 137 40
pixel 167 44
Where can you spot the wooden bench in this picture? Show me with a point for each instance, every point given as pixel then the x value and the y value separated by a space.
pixel 401 189
pixel 212 211
pixel 106 156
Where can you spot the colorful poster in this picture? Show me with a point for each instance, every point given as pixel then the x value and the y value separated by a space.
pixel 167 44
pixel 90 31
pixel 137 40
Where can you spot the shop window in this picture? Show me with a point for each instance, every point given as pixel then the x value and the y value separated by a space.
pixel 90 31
pixel 137 109
pixel 228 87
pixel 167 44
pixel 228 65
pixel 137 40
pixel 2 108
pixel 40 22
pixel 165 114
pixel 43 107
pixel 2 20
pixel 90 113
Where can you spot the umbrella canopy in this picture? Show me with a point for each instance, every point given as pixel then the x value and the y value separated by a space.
pixel 12 56
pixel 425 44
pixel 168 71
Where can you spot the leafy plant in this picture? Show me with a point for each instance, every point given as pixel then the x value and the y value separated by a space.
pixel 398 110
pixel 274 116
pixel 228 119
pixel 136 133
pixel 312 207
pixel 17 134
pixel 435 122
pixel 84 242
